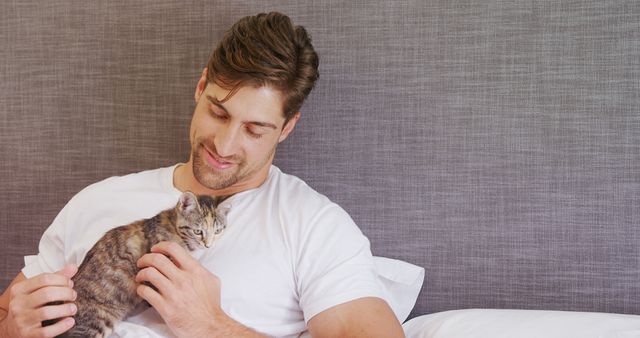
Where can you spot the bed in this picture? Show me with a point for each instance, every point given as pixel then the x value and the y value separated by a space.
pixel 490 150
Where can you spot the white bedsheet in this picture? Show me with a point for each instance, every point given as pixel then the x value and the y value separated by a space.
pixel 486 323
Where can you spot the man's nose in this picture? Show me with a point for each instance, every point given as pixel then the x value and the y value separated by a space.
pixel 226 141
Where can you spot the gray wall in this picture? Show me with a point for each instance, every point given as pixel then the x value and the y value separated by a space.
pixel 496 143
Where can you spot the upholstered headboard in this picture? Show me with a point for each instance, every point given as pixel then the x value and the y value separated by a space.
pixel 495 143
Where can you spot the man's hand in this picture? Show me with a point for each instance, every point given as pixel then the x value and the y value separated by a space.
pixel 187 295
pixel 28 304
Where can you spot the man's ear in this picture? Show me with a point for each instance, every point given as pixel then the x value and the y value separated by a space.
pixel 202 83
pixel 288 128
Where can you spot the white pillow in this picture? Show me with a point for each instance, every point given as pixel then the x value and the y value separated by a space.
pixel 484 323
pixel 402 283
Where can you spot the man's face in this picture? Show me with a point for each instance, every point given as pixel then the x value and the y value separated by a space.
pixel 233 142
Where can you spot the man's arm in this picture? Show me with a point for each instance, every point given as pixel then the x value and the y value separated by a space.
pixel 24 305
pixel 187 296
pixel 363 317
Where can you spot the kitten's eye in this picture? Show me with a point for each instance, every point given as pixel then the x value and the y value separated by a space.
pixel 197 232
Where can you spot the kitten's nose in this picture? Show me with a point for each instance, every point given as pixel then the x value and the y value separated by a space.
pixel 209 241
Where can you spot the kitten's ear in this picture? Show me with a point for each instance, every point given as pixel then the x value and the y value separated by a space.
pixel 223 209
pixel 221 213
pixel 188 202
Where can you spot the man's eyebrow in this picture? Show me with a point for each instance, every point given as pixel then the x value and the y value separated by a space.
pixel 216 102
pixel 263 124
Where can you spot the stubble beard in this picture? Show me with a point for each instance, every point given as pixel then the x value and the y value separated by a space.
pixel 212 178
pixel 216 180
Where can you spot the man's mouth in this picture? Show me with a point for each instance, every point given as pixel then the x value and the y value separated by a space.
pixel 215 162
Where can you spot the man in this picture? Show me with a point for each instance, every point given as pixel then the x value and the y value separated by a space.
pixel 290 260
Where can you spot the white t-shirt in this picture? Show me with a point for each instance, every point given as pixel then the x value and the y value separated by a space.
pixel 287 254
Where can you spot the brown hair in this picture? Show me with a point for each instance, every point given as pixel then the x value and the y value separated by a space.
pixel 266 50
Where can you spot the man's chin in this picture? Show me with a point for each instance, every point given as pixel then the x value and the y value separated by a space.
pixel 214 181
pixel 214 178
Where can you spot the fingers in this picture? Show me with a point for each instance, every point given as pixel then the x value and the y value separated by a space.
pixel 58 328
pixel 34 300
pixel 31 309
pixel 160 263
pixel 68 271
pixel 162 268
pixel 51 294
pixel 159 270
pixel 28 320
pixel 56 311
pixel 178 254
pixel 46 279
pixel 154 277
pixel 152 296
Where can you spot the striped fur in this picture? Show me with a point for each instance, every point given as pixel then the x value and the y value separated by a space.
pixel 105 279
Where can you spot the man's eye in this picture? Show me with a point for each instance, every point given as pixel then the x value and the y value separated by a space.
pixel 252 134
pixel 218 115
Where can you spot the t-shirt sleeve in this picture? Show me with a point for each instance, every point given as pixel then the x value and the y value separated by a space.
pixel 335 263
pixel 50 255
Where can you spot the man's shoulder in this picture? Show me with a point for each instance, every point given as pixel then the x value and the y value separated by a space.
pixel 126 187
pixel 298 200
pixel 291 187
pixel 147 179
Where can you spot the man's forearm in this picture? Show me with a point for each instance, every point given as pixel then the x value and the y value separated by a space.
pixel 227 327
pixel 237 332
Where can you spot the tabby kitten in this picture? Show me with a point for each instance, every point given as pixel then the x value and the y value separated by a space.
pixel 105 280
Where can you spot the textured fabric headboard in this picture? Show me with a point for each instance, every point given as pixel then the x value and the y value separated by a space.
pixel 495 143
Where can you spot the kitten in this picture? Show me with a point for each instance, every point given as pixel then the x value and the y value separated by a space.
pixel 105 279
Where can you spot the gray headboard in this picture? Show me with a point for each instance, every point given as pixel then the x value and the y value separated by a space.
pixel 495 143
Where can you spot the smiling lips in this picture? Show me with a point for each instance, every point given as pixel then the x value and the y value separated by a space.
pixel 215 162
